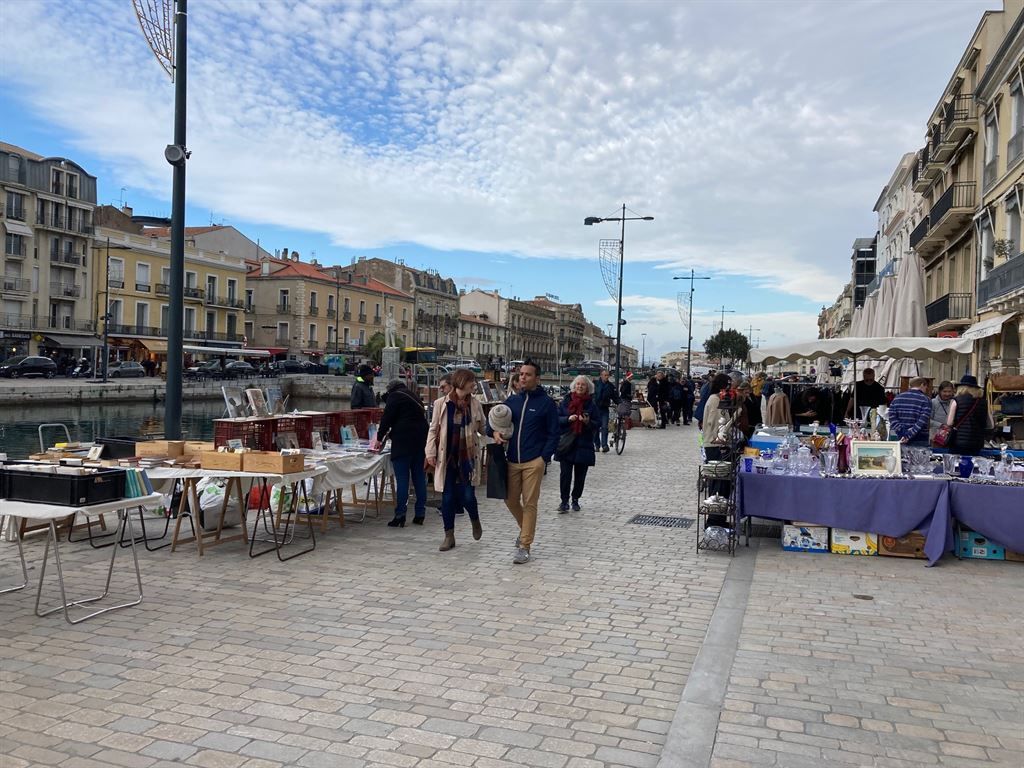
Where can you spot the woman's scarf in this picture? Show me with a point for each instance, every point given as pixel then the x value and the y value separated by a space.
pixel 460 417
pixel 578 407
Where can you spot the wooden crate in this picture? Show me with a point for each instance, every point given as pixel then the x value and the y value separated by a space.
pixel 221 460
pixel 271 462
pixel 170 448
pixel 199 447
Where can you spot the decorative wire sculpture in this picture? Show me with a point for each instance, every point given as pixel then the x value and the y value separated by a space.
pixel 156 18
pixel 683 306
pixel 608 254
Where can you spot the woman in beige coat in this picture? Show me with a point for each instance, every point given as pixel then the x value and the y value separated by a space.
pixel 453 443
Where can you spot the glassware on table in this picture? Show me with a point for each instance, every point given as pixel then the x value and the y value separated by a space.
pixel 951 463
pixel 890 464
pixel 1003 472
pixel 983 466
pixel 830 461
pixel 966 466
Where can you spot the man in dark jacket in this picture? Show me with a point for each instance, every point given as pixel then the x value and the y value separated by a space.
pixel 362 391
pixel 604 396
pixel 658 394
pixel 688 398
pixel 529 451
pixel 404 422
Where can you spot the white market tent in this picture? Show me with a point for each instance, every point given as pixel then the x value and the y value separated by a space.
pixel 873 348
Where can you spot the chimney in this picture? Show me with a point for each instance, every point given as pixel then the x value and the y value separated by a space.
pixel 295 255
pixel 314 262
pixel 284 254
pixel 127 211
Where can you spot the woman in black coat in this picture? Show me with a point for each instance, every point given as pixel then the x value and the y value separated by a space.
pixel 404 422
pixel 969 413
pixel 578 414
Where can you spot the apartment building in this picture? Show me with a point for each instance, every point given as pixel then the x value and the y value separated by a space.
pixel 530 334
pixel 131 278
pixel 47 221
pixel 436 299
pixel 899 209
pixel 595 342
pixel 568 328
pixel 834 321
pixel 480 338
pixel 304 310
pixel 862 268
pixel 999 97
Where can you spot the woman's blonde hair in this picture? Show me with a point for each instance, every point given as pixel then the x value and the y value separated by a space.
pixel 967 389
pixel 586 380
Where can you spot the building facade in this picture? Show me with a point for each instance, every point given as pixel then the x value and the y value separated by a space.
pixel 999 96
pixel 436 301
pixel 899 209
pixel 834 321
pixel 530 334
pixel 862 268
pixel 47 223
pixel 568 329
pixel 481 339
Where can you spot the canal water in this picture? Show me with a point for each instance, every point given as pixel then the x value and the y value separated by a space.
pixel 19 426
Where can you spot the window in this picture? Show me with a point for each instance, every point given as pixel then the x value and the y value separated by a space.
pixel 165 314
pixel 282 333
pixel 330 303
pixel 1013 226
pixel 165 276
pixel 987 247
pixel 345 337
pixel 362 309
pixel 347 307
pixel 248 299
pixel 211 322
pixel 190 320
pixel 142 277
pixel 116 274
pixel 211 287
pixel 232 289
pixel 55 179
pixel 191 279
pixel 13 167
pixel 1015 147
pixel 991 147
pixel 14 245
pixel 232 320
pixel 312 332
pixel 362 336
pixel 405 314
pixel 376 311
pixel 114 311
pixel 141 316
pixel 312 300
pixel 250 329
pixel 282 301
pixel 72 182
pixel 15 206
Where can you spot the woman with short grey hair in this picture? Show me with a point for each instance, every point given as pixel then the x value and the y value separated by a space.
pixel 578 416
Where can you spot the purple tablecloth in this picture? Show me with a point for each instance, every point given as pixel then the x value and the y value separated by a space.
pixel 995 511
pixel 887 507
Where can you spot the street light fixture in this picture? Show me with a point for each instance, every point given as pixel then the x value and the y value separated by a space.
pixel 590 221
pixel 689 324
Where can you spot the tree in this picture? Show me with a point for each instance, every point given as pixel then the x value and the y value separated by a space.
pixel 373 346
pixel 728 344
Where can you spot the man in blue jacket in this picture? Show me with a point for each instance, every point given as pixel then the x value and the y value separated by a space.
pixel 604 396
pixel 529 450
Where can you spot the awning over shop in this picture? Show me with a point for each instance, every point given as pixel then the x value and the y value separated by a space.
pixel 268 350
pixel 72 342
pixel 312 352
pixel 919 348
pixel 17 228
pixel 159 346
pixel 243 351
pixel 985 328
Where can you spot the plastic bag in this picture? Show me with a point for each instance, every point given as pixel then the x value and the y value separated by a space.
pixel 211 499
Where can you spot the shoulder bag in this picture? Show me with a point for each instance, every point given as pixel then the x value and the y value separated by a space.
pixel 945 436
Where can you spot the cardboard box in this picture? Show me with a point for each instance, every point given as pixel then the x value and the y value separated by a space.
pixel 853 542
pixel 271 462
pixel 216 460
pixel 169 448
pixel 975 546
pixel 805 538
pixel 1016 557
pixel 911 545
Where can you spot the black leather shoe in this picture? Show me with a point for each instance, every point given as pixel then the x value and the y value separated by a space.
pixel 417 521
pixel 396 522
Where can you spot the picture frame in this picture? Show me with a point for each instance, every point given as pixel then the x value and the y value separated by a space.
pixel 872 457
pixel 257 402
pixel 234 402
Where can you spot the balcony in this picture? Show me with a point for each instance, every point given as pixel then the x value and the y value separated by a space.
pixel 249 309
pixel 65 259
pixel 225 301
pixel 65 291
pixel 331 314
pixel 1015 148
pixel 990 173
pixel 346 315
pixel 919 179
pixel 215 336
pixel 313 311
pixel 16 212
pixel 949 310
pixel 50 222
pixel 1007 278
pixel 956 124
pixel 15 249
pixel 120 329
pixel 196 294
pixel 19 284
pixel 282 341
pixel 283 308
pixel 116 282
pixel 405 323
pixel 950 214
pixel 163 289
pixel 143 287
pixel 377 320
pixel 362 318
pixel 312 344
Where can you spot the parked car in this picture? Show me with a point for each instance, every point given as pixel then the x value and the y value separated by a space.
pixel 28 365
pixel 238 369
pixel 125 369
pixel 468 364
pixel 512 365
pixel 209 369
pixel 308 366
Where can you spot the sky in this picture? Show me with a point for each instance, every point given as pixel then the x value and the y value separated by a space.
pixel 474 137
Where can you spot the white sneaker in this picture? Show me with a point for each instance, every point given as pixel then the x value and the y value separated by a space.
pixel 522 556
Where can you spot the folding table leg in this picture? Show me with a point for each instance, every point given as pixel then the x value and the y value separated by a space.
pixel 21 556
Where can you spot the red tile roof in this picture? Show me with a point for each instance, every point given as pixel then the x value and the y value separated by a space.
pixel 166 231
pixel 305 270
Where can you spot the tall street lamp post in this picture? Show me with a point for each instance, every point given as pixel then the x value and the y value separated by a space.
pixel 643 350
pixel 689 324
pixel 589 221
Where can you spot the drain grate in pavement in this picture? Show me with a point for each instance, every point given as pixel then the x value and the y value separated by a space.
pixel 663 522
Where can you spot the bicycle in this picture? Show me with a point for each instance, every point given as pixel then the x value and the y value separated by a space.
pixel 618 434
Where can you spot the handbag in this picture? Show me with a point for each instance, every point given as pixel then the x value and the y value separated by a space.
pixel 565 442
pixel 945 436
pixel 497 472
pixel 648 415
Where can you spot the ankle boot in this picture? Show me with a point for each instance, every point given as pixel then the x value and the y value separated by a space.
pixel 478 530
pixel 449 541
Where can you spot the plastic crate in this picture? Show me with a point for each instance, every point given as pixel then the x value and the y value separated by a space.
pixel 364 418
pixel 319 422
pixel 335 421
pixel 64 490
pixel 117 447
pixel 255 433
pixel 301 426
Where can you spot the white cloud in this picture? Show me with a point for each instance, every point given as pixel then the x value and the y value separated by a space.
pixel 495 127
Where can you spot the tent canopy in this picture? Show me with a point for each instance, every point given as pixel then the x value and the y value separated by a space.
pixel 919 348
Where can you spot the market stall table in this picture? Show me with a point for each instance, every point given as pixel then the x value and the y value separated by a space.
pixel 890 507
pixel 345 470
pixel 995 511
pixel 50 513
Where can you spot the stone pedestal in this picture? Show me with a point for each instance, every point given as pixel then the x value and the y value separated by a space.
pixel 390 365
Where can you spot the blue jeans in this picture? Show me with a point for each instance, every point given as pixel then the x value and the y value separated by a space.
pixel 601 433
pixel 403 467
pixel 456 496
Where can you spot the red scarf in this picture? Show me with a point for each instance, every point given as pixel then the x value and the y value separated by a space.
pixel 578 407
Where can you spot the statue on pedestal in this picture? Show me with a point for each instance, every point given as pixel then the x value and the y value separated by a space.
pixel 390 336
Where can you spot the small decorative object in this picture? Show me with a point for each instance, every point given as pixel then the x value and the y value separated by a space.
pixel 966 467
pixel 830 461
pixel 950 462
pixel 874 457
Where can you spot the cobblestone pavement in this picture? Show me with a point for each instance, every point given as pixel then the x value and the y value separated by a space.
pixel 379 651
